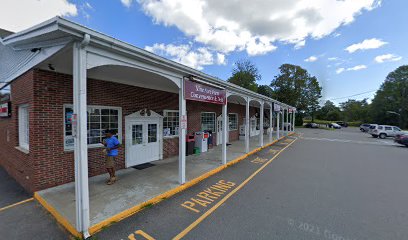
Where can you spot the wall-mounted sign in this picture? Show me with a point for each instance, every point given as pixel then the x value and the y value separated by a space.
pixel 290 110
pixel 276 108
pixel 5 109
pixel 183 122
pixel 203 93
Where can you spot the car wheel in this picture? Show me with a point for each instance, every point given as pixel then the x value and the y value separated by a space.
pixel 383 135
pixel 361 129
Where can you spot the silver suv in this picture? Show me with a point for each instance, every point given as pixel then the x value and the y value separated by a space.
pixel 383 131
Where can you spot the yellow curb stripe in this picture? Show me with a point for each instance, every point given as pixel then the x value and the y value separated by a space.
pixel 211 210
pixel 60 219
pixel 16 204
pixel 129 212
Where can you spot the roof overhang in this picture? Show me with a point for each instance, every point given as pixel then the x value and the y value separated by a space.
pixel 62 30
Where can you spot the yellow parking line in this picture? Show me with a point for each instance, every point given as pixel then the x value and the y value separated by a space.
pixel 211 210
pixel 145 235
pixel 16 204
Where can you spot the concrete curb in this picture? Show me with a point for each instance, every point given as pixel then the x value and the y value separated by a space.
pixel 129 212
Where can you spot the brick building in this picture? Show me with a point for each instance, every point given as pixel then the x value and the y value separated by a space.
pixel 69 83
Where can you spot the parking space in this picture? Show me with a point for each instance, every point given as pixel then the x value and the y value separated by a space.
pixel 23 218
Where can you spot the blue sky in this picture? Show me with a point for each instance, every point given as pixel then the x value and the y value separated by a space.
pixel 177 29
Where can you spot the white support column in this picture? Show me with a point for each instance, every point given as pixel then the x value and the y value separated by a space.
pixel 287 121
pixel 182 134
pixel 294 120
pixel 283 122
pixel 80 140
pixel 225 131
pixel 291 121
pixel 270 124
pixel 261 122
pixel 247 125
pixel 277 125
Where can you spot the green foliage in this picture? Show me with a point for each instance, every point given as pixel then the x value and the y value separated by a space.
pixel 296 87
pixel 329 111
pixel 265 90
pixel 354 110
pixel 392 96
pixel 245 74
pixel 298 120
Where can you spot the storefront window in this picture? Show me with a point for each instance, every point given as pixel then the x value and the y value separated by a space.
pixel 23 127
pixel 208 121
pixel 170 123
pixel 99 119
pixel 233 121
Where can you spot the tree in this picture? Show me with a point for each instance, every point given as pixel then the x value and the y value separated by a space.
pixel 392 96
pixel 329 111
pixel 265 90
pixel 354 110
pixel 296 87
pixel 245 74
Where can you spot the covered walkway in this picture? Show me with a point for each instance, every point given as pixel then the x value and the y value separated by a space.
pixel 137 186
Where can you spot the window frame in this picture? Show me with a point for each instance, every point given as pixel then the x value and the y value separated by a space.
pixel 93 145
pixel 165 116
pixel 215 121
pixel 236 119
pixel 26 144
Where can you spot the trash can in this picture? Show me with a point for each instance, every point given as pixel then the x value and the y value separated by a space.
pixel 190 144
pixel 197 150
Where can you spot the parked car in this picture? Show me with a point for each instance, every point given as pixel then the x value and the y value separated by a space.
pixel 365 127
pixel 383 131
pixel 372 128
pixel 343 124
pixel 311 125
pixel 402 138
pixel 334 125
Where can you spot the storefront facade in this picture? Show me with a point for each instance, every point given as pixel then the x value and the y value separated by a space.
pixel 75 83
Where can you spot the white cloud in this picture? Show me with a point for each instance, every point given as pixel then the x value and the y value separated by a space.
pixel 127 3
pixel 333 59
pixel 19 15
pixel 365 45
pixel 221 59
pixel 340 70
pixel 185 54
pixel 300 45
pixel 336 35
pixel 387 58
pixel 355 68
pixel 311 59
pixel 236 25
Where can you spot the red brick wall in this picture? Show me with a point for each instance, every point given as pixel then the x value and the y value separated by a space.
pixel 18 164
pixel 47 164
